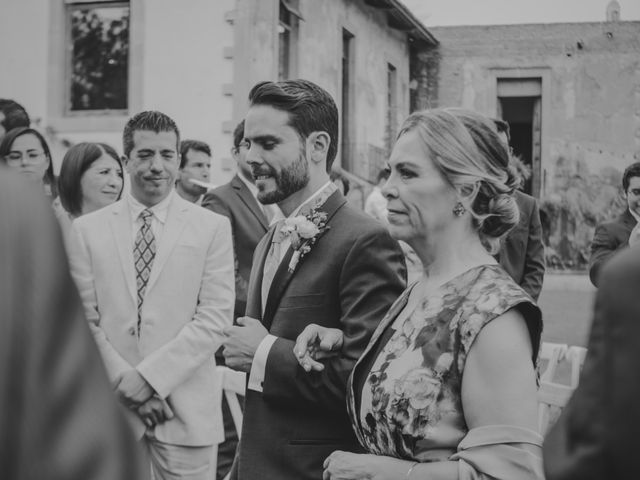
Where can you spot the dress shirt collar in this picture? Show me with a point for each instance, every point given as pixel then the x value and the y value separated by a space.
pixel 635 215
pixel 160 210
pixel 312 197
pixel 252 188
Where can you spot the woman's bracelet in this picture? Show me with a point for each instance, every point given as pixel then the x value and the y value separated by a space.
pixel 413 465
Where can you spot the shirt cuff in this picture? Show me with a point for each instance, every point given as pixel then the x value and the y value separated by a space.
pixel 259 364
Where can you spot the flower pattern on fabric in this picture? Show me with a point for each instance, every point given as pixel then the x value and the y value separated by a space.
pixel 411 407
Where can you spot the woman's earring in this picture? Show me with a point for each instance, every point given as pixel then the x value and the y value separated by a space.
pixel 459 209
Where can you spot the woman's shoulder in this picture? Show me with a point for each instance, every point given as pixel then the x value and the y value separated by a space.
pixel 491 295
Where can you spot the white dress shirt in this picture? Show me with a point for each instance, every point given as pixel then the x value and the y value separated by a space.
pixel 256 376
pixel 160 211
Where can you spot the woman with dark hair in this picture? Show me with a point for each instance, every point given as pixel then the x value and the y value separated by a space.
pixel 446 388
pixel 91 177
pixel 25 150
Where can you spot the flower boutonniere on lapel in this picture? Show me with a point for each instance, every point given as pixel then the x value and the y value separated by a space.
pixel 304 231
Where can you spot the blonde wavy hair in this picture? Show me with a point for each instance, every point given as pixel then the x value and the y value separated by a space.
pixel 466 148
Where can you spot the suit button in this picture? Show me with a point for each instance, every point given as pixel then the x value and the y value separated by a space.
pixel 132 330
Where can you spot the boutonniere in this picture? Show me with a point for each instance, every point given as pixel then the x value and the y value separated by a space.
pixel 304 231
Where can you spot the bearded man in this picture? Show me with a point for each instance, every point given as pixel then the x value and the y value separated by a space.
pixel 326 263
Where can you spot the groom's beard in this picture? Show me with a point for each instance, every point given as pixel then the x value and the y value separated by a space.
pixel 288 181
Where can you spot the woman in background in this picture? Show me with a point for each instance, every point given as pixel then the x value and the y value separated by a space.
pixel 26 151
pixel 91 177
pixel 446 388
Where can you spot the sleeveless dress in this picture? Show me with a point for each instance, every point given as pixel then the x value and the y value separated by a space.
pixel 404 394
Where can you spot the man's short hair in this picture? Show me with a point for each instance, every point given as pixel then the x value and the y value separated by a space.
pixel 238 134
pixel 631 171
pixel 15 115
pixel 310 108
pixel 196 145
pixel 152 121
pixel 502 127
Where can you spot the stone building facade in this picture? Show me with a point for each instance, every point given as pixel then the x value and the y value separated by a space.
pixel 571 93
pixel 359 50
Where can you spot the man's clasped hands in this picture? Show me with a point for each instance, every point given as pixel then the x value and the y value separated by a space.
pixel 139 396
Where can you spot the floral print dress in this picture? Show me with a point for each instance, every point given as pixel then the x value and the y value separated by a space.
pixel 409 405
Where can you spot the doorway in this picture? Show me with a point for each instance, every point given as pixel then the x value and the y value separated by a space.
pixel 519 104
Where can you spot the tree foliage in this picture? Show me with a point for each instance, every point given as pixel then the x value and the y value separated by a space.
pixel 99 58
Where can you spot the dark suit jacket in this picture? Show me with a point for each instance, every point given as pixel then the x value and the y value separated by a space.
pixel 522 252
pixel 59 419
pixel 597 436
pixel 248 225
pixel 608 239
pixel 348 280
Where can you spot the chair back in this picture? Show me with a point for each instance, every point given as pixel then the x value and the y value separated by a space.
pixel 553 395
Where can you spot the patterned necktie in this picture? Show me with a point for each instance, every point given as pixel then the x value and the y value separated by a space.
pixel 272 262
pixel 144 251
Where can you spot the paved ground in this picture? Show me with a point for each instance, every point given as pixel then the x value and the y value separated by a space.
pixel 567 303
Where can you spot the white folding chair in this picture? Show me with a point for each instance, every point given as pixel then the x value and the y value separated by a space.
pixel 553 353
pixel 233 384
pixel 553 396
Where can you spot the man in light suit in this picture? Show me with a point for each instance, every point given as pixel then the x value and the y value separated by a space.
pixel 615 235
pixel 155 274
pixel 58 417
pixel 596 436
pixel 347 278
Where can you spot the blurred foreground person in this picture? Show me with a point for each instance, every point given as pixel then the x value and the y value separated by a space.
pixel 446 388
pixel 59 419
pixel 26 151
pixel 617 234
pixel 596 437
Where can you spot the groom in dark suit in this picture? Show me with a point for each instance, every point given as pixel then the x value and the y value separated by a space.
pixel 327 263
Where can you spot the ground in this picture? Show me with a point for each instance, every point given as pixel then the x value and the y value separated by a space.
pixel 567 308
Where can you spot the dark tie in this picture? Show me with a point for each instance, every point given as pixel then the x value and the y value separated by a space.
pixel 272 262
pixel 144 251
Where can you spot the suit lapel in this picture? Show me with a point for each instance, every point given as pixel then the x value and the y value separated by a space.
pixel 120 223
pixel 249 200
pixel 279 284
pixel 176 221
pixel 283 276
pixel 628 219
pixel 254 296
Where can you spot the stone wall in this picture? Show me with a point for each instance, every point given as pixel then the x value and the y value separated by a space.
pixel 590 108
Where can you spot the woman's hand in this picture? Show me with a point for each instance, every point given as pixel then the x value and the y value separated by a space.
pixel 348 466
pixel 355 466
pixel 315 343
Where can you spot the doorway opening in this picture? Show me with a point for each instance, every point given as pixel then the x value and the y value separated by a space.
pixel 519 104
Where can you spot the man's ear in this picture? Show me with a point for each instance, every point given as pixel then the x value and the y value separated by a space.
pixel 318 146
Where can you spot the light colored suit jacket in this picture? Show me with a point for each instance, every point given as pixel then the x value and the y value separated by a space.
pixel 188 302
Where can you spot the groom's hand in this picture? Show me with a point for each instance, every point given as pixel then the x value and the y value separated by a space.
pixel 241 343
